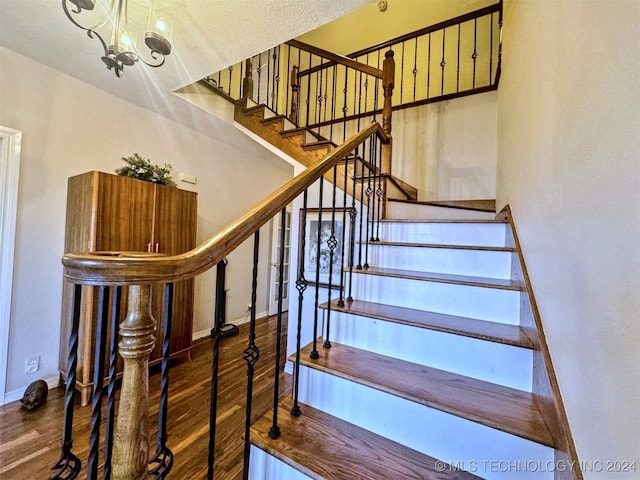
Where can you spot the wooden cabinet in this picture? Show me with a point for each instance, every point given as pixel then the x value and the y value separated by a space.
pixel 107 212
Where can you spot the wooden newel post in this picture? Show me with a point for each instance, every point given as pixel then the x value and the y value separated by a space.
pixel 295 94
pixel 388 76
pixel 247 81
pixel 137 339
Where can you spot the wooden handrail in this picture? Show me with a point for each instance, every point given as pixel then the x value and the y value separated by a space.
pixel 130 268
pixel 335 58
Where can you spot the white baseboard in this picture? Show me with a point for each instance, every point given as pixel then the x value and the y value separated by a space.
pixel 15 395
pixel 238 321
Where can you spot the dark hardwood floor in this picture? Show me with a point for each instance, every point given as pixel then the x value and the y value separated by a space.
pixel 29 441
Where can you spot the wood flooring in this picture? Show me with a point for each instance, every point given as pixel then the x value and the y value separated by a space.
pixel 29 441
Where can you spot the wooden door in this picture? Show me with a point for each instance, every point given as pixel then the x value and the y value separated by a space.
pixel 174 232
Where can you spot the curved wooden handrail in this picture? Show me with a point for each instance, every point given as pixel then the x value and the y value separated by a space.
pixel 140 269
pixel 342 60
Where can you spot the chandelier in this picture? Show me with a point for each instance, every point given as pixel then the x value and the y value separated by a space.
pixel 121 50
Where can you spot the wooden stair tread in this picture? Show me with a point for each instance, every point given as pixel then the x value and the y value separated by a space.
pixel 468 327
pixel 255 110
pixel 439 245
pixel 485 205
pixel 274 119
pixel 324 447
pixel 505 284
pixel 496 406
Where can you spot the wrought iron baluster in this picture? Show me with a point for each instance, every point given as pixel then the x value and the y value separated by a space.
pixel 429 67
pixel 98 375
pixel 240 80
pixel 276 69
pixel 369 192
pixel 314 352
pixel 269 80
pixel 362 195
pixel 491 51
pixel 274 431
pixel 379 190
pixel 333 100
pixel 443 63
pixel 251 355
pixel 215 362
pixel 116 302
pixel 68 465
pixel 458 65
pixel 301 286
pixel 259 71
pixel 474 56
pixel 332 243
pixel 163 458
pixel 308 100
pixel 415 67
pixel 402 74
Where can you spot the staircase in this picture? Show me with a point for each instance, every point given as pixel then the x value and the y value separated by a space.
pixel 430 372
pixel 308 147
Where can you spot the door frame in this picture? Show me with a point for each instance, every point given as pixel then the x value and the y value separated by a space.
pixel 10 149
pixel 272 306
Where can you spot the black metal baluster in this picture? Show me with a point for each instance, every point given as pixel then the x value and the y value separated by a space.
pixel 219 317
pixel 163 458
pixel 68 465
pixel 415 68
pixel 362 195
pixel 474 56
pixel 491 52
pixel 301 286
pixel 116 302
pixel 314 352
pixel 332 243
pixel 379 190
pixel 402 74
pixel 269 80
pixel 251 356
pixel 370 208
pixel 259 71
pixel 240 80
pixel 333 101
pixel 98 376
pixel 287 81
pixel 274 431
pixel 277 73
pixel 429 66
pixel 443 63
pixel 308 100
pixel 318 107
pixel 324 98
pixel 458 66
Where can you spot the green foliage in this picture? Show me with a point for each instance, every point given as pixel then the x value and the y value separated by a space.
pixel 142 169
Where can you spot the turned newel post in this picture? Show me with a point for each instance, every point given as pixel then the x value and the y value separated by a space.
pixel 388 75
pixel 295 94
pixel 137 339
pixel 247 81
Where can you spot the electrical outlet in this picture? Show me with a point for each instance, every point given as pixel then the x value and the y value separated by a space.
pixel 31 364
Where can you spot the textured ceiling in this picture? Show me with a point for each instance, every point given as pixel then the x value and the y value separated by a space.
pixel 207 35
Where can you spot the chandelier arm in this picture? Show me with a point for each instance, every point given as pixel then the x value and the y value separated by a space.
pixel 90 32
pixel 156 55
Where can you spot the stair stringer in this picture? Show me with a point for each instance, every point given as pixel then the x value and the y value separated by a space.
pixel 545 383
pixel 308 154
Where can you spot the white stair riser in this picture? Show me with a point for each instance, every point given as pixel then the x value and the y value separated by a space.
pixel 430 431
pixel 469 234
pixel 489 361
pixel 493 304
pixel 420 212
pixel 263 466
pixel 477 263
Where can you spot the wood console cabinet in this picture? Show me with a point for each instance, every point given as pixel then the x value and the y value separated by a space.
pixel 107 212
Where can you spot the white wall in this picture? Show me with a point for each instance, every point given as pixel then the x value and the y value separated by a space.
pixel 70 127
pixel 447 150
pixel 569 165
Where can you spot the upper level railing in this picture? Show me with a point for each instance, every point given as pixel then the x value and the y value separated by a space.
pixel 335 95
pixel 124 453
